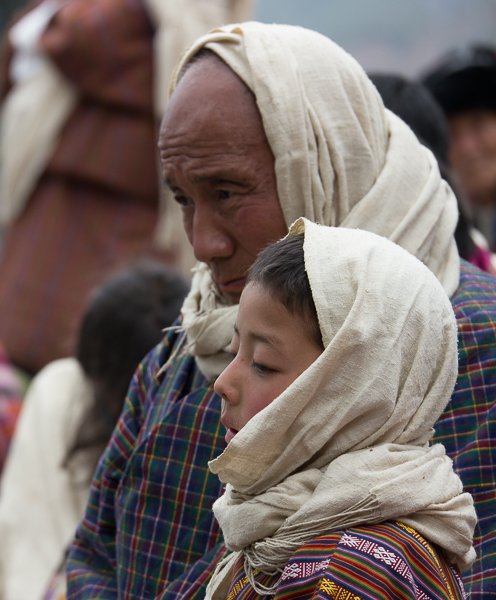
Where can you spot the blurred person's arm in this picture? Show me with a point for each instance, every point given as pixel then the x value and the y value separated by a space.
pixel 40 505
pixel 105 48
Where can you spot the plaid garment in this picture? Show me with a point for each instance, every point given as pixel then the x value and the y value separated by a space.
pixel 148 530
pixel 135 542
pixel 467 428
pixel 95 208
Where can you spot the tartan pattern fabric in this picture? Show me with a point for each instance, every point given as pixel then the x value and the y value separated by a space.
pixel 142 534
pixel 379 562
pixel 95 208
pixel 467 427
pixel 154 485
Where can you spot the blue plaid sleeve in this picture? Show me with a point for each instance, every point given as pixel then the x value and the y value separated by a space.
pixel 91 565
pixel 467 427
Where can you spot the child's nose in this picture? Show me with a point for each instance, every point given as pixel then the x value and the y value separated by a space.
pixel 225 386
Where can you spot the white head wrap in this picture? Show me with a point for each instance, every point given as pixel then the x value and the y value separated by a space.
pixel 347 442
pixel 341 158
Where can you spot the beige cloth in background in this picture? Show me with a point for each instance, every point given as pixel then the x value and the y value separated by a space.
pixel 347 442
pixel 40 503
pixel 341 158
pixel 33 112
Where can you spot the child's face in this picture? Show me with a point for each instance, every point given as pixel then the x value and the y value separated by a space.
pixel 271 348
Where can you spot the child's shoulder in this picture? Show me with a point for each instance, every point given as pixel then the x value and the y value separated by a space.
pixel 374 560
pixel 380 562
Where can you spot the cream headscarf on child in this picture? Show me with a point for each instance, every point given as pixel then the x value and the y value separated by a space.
pixel 341 158
pixel 347 442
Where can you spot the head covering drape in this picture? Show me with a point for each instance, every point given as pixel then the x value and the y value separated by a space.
pixel 341 158
pixel 347 442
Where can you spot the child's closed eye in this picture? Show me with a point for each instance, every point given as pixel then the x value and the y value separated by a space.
pixel 262 369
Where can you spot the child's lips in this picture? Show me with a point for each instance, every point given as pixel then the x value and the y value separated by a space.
pixel 230 434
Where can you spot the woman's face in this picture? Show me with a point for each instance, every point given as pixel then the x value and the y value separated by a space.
pixel 271 347
pixel 217 162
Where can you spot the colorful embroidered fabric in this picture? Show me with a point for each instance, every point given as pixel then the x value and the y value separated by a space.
pixel 389 561
pixel 10 404
pixel 148 529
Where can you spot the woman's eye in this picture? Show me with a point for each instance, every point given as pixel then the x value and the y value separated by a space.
pixel 182 200
pixel 224 194
pixel 230 355
pixel 262 369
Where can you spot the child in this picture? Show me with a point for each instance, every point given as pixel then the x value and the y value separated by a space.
pixel 67 418
pixel 344 356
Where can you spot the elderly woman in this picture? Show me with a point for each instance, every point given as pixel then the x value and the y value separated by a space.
pixel 267 124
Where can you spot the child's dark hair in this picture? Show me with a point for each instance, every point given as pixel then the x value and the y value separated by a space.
pixel 280 270
pixel 123 322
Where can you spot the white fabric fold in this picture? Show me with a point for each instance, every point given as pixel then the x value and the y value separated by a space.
pixel 209 323
pixel 341 158
pixel 348 442
pixel 33 112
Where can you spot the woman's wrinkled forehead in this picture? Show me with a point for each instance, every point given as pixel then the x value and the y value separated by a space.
pixel 210 93
pixel 204 58
pixel 208 61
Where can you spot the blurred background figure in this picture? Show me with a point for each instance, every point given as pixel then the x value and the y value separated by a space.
pixel 67 418
pixel 464 83
pixel 414 103
pixel 85 83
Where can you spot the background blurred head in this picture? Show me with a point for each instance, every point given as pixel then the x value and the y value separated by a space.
pixel 413 103
pixel 124 321
pixel 416 105
pixel 464 84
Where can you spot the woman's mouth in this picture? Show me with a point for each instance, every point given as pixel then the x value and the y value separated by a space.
pixel 230 434
pixel 233 286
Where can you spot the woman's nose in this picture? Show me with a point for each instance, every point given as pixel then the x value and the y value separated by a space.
pixel 210 236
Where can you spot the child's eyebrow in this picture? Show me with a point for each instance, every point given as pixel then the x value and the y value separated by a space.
pixel 269 340
pixel 266 339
